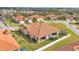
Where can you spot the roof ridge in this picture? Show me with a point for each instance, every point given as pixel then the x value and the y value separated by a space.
pixel 39 29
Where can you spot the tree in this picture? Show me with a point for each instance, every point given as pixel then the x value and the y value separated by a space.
pixel 62 18
pixel 62 33
pixel 34 20
pixel 70 13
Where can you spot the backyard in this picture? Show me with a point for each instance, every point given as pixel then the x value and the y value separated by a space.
pixel 27 43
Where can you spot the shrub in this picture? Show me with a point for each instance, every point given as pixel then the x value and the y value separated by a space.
pixel 34 20
pixel 62 33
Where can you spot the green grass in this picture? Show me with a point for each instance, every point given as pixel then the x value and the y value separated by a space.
pixel 69 40
pixel 10 22
pixel 21 40
pixel 2 25
pixel 26 42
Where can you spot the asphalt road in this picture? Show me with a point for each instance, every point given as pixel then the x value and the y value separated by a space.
pixel 72 27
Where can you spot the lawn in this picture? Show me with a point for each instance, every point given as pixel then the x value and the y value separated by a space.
pixel 69 40
pixel 26 42
pixel 2 25
pixel 10 22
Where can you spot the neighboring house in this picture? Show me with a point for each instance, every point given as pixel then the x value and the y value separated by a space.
pixel 36 18
pixel 20 19
pixel 70 17
pixel 76 48
pixel 70 47
pixel 7 41
pixel 52 16
pixel 39 31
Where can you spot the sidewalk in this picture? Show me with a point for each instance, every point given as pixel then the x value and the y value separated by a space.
pixel 48 45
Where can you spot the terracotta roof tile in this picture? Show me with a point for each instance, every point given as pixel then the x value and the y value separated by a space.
pixel 7 42
pixel 36 16
pixel 76 48
pixel 68 47
pixel 20 18
pixel 41 29
pixel 51 15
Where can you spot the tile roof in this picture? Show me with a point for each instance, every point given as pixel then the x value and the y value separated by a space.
pixel 20 18
pixel 7 42
pixel 41 29
pixel 76 48
pixel 36 16
pixel 68 47
pixel 51 15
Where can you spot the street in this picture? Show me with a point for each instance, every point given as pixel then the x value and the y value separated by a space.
pixel 72 27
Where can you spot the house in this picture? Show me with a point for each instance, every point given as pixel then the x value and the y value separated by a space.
pixel 7 41
pixel 20 19
pixel 76 48
pixel 39 31
pixel 70 17
pixel 36 18
pixel 52 16
pixel 70 47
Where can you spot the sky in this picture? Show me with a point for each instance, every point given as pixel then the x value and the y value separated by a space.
pixel 39 3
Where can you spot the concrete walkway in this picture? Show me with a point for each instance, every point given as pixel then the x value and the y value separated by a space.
pixel 52 43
